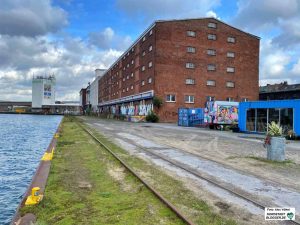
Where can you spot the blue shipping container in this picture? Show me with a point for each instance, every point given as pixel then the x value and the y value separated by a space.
pixel 190 117
pixel 254 116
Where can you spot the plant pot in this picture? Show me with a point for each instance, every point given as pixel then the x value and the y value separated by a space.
pixel 276 149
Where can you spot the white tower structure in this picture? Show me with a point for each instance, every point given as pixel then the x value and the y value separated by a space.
pixel 94 89
pixel 43 91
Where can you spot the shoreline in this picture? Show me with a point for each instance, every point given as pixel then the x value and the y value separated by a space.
pixel 39 179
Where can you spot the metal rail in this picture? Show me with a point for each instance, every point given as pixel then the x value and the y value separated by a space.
pixel 155 192
pixel 189 170
pixel 198 175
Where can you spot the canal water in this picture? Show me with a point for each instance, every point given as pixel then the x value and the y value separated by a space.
pixel 23 141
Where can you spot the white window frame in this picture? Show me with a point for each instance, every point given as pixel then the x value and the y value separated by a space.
pixel 191 49
pixel 231 39
pixel 131 87
pixel 211 83
pixel 142 83
pixel 127 77
pixel 169 98
pixel 189 99
pixel 190 81
pixel 212 25
pixel 230 84
pixel 190 65
pixel 191 33
pixel 144 38
pixel 150 48
pixel 210 98
pixel 212 37
pixel 131 74
pixel 211 67
pixel 143 68
pixel 150 64
pixel 212 52
pixel 150 32
pixel 143 53
pixel 230 55
pixel 230 70
pixel 127 89
pixel 132 62
pixel 230 99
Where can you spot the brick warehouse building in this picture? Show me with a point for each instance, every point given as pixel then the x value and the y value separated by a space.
pixel 185 63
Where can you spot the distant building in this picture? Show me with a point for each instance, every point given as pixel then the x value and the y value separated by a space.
pixel 82 98
pixel 43 91
pixel 279 91
pixel 93 90
pixel 184 63
pixel 10 106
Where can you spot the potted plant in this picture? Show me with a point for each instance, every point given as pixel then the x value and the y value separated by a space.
pixel 275 142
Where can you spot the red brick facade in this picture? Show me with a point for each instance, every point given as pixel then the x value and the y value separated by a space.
pixel 172 49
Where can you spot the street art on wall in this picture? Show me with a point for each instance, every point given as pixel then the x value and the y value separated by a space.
pixel 136 110
pixel 220 113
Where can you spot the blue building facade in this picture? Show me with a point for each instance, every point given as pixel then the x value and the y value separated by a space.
pixel 254 116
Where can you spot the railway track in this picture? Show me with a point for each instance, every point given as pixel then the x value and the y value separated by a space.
pixel 155 192
pixel 182 167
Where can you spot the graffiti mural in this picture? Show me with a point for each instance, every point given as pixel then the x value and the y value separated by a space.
pixel 220 113
pixel 136 110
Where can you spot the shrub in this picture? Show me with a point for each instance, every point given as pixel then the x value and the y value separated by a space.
pixel 274 129
pixel 152 117
pixel 157 102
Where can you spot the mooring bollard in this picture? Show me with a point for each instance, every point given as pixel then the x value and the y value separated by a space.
pixel 35 197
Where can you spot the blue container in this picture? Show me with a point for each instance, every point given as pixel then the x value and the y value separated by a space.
pixel 190 117
pixel 282 106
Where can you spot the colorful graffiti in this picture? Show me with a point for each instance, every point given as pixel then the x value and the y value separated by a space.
pixel 130 109
pixel 220 113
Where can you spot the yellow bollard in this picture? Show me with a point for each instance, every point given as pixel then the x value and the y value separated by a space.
pixel 48 156
pixel 35 197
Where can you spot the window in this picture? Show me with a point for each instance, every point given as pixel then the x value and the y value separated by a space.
pixel 123 89
pixel 170 98
pixel 150 80
pixel 230 84
pixel 211 83
pixel 211 67
pixel 244 99
pixel 127 65
pixel 143 68
pixel 124 68
pixel 144 38
pixel 190 33
pixel 229 99
pixel 132 49
pixel 150 33
pixel 212 25
pixel 131 87
pixel 131 74
pixel 127 89
pixel 189 98
pixel 189 81
pixel 128 54
pixel 230 55
pixel 143 83
pixel 191 49
pixel 230 69
pixel 132 62
pixel 127 77
pixel 150 64
pixel 143 53
pixel 211 52
pixel 210 98
pixel 123 78
pixel 190 65
pixel 231 39
pixel 212 37
pixel 150 48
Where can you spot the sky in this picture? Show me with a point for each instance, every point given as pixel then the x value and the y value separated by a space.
pixel 72 38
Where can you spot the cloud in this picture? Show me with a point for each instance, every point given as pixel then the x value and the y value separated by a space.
pixel 107 39
pixel 72 60
pixel 165 9
pixel 30 18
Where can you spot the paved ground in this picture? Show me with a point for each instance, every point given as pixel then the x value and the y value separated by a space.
pixel 222 156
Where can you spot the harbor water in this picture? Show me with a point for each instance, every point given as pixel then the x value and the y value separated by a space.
pixel 23 141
